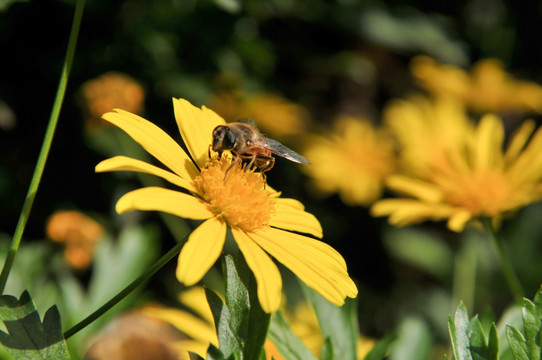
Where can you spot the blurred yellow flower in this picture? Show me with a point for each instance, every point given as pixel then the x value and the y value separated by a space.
pixel 425 130
pixel 78 232
pixel 488 88
pixel 258 218
pixel 473 179
pixel 352 160
pixel 275 115
pixel 107 92
pixel 196 322
pixel 304 324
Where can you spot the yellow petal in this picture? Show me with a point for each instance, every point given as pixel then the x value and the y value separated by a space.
pixel 458 221
pixel 264 269
pixel 196 300
pixel 201 251
pixel 488 143
pixel 293 203
pixel 169 201
pixel 186 322
pixel 155 141
pixel 123 163
pixel 519 140
pixel 413 187
pixel 291 218
pixel 196 126
pixel 403 212
pixel 317 264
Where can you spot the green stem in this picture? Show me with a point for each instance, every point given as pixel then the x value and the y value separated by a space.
pixel 506 266
pixel 47 140
pixel 465 269
pixel 127 290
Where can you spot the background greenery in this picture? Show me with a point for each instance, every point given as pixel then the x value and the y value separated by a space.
pixel 329 56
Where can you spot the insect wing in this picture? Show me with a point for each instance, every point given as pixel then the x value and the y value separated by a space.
pixel 278 149
pixel 248 121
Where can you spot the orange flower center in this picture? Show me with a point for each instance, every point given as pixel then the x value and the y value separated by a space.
pixel 483 192
pixel 236 194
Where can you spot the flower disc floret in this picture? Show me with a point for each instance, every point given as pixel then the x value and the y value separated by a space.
pixel 236 194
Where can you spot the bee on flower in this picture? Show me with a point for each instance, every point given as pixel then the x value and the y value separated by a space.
pixel 263 224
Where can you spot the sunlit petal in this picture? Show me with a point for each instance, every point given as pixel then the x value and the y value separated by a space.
pixel 155 141
pixel 123 163
pixel 168 201
pixel 264 269
pixel 317 264
pixel 196 126
pixel 201 251
pixel 291 218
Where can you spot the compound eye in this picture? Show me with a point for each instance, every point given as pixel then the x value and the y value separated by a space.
pixel 229 139
pixel 223 138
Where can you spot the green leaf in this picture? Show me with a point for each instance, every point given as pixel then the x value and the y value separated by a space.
pixel 241 323
pixel 285 340
pixel 518 345
pixel 327 350
pixel 339 324
pixel 493 343
pixel 248 321
pixel 458 327
pixel 532 317
pixel 28 337
pixel 468 339
pixel 477 340
pixel 379 350
pixel 227 340
pixel 414 340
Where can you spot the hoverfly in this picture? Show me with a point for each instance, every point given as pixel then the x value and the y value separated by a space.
pixel 246 142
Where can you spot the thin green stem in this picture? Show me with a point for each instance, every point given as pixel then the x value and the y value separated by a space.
pixel 47 140
pixel 465 269
pixel 127 290
pixel 506 266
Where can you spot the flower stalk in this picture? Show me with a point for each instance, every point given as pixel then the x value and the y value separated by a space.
pixel 127 290
pixel 46 146
pixel 506 266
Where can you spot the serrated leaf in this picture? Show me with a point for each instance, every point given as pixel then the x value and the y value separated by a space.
pixel 237 297
pixel 241 323
pixel 531 326
pixel 518 345
pixel 28 337
pixel 227 340
pixel 493 343
pixel 477 340
pixel 380 349
pixel 458 327
pixel 338 323
pixel 285 340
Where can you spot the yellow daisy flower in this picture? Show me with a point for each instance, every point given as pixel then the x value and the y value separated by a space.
pixel 352 160
pixel 425 130
pixel 258 218
pixel 474 179
pixel 488 87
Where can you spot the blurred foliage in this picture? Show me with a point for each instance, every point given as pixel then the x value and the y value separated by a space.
pixel 330 57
